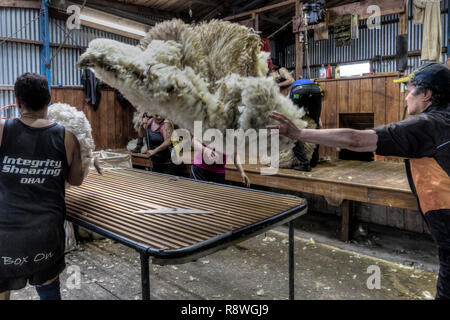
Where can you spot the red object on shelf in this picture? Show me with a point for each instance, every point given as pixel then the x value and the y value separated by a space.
pixel 329 73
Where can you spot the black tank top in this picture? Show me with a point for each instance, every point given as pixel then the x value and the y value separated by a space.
pixel 154 140
pixel 33 170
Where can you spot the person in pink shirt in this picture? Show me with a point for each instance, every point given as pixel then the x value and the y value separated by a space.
pixel 215 171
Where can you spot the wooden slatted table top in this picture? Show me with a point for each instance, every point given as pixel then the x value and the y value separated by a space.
pixel 110 202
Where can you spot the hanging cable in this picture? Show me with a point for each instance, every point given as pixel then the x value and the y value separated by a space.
pixel 65 39
pixel 290 21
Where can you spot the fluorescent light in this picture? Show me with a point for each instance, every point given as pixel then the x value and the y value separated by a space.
pixel 355 69
pixel 112 25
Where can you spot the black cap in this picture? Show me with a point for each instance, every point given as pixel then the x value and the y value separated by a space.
pixel 432 75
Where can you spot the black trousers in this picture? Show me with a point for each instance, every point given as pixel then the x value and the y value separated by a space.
pixel 205 175
pixel 439 225
pixel 167 168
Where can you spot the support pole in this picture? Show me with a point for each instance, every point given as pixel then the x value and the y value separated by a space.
pixel 145 276
pixel 45 38
pixel 346 216
pixel 291 261
pixel 298 45
pixel 448 29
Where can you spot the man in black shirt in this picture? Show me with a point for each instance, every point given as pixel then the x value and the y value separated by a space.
pixel 37 157
pixel 423 138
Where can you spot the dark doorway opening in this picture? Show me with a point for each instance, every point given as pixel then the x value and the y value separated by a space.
pixel 358 121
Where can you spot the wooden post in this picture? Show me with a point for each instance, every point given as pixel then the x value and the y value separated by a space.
pixel 346 219
pixel 298 45
pixel 255 17
pixel 448 33
pixel 403 23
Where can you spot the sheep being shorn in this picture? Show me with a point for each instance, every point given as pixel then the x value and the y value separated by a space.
pixel 76 122
pixel 211 72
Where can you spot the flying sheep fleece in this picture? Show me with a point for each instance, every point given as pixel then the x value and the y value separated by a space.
pixel 211 72
pixel 76 122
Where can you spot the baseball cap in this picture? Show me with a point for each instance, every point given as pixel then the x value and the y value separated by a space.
pixel 433 75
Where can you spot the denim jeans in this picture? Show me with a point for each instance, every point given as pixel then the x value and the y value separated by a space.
pixel 49 292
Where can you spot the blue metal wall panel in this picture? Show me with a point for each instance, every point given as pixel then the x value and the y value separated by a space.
pixel 18 58
pixel 7 97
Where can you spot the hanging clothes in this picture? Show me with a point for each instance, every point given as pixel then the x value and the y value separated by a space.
pixel 429 13
pixel 91 86
pixel 265 46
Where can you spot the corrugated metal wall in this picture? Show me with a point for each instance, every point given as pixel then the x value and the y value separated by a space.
pixel 370 43
pixel 18 58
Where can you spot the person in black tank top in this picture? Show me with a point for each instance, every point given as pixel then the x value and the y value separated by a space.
pixel 158 135
pixel 37 157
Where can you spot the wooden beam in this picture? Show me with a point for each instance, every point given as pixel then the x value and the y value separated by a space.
pixel 360 8
pixel 217 11
pixel 31 4
pixel 261 10
pixel 130 8
pixel 204 3
pixel 403 23
pixel 255 18
pixel 39 43
pixel 272 20
pixel 298 45
pixel 249 5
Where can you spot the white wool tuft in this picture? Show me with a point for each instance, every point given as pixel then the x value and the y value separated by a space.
pixel 211 72
pixel 76 122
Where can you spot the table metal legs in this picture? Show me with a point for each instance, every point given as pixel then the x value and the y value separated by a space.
pixel 145 276
pixel 291 260
pixel 145 270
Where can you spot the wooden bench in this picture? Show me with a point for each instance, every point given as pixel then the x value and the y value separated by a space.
pixel 340 183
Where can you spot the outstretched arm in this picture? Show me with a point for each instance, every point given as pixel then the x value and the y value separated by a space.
pixel 354 140
pixel 238 165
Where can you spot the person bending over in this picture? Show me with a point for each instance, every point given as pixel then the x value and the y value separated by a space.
pixel 206 166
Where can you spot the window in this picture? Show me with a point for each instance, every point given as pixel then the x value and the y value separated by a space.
pixel 354 69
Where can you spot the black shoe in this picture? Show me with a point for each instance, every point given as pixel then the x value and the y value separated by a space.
pixel 306 168
pixel 136 150
pixel 139 145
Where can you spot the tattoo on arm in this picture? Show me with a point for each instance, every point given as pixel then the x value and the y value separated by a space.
pixel 168 130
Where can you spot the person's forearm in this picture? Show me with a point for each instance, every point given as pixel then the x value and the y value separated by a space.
pixel 163 146
pixel 285 83
pixel 355 140
pixel 237 164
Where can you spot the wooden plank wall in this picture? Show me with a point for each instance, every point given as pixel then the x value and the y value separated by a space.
pixel 111 123
pixel 381 96
pixel 378 95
